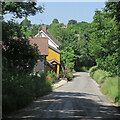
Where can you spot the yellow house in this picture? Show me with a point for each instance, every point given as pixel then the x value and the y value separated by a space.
pixel 53 58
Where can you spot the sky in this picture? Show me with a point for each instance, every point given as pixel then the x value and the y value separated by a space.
pixel 64 11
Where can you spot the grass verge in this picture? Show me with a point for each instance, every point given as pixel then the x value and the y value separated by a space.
pixel 108 83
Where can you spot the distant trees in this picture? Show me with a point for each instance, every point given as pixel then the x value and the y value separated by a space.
pixel 55 21
pixel 21 9
pixel 93 43
pixel 72 22
pixel 72 45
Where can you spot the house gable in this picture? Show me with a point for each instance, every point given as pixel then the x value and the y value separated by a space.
pixel 51 40
pixel 53 56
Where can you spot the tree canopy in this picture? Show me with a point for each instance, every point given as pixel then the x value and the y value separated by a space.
pixel 21 9
pixel 55 21
pixel 72 22
pixel 16 48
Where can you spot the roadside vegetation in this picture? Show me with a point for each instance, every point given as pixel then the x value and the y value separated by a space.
pixel 108 83
pixel 21 89
pixel 83 45
pixel 19 86
pixel 51 75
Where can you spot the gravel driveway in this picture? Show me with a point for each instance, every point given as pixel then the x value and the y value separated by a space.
pixel 79 98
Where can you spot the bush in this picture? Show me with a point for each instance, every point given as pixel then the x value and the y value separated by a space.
pixel 92 70
pixel 73 71
pixel 66 73
pixel 69 76
pixel 21 89
pixel 52 76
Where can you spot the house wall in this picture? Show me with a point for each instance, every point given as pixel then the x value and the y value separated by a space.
pixel 53 55
pixel 50 42
pixel 40 66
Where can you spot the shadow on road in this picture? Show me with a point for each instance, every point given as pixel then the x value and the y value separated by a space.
pixel 67 105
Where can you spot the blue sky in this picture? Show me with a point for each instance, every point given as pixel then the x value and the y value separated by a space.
pixel 64 11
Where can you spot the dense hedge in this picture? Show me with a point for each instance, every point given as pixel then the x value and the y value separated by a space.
pixel 21 89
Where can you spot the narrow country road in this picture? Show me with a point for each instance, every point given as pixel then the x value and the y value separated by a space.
pixel 79 98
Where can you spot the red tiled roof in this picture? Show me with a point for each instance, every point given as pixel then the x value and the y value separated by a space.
pixel 42 43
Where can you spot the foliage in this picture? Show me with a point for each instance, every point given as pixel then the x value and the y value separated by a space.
pixel 20 54
pixel 26 22
pixel 28 29
pixel 66 73
pixel 20 9
pixel 34 29
pixel 18 51
pixel 20 89
pixel 71 22
pixel 83 68
pixel 110 88
pixel 92 70
pixel 69 76
pixel 104 42
pixel 73 71
pixel 114 9
pixel 67 57
pixel 19 58
pixel 55 21
pixel 79 27
pixel 109 84
pixel 52 75
pixel 100 75
pixel 75 52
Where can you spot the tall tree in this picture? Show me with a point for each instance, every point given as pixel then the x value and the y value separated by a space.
pixel 55 21
pixel 21 9
pixel 26 22
pixel 104 42
pixel 72 22
pixel 20 54
pixel 114 9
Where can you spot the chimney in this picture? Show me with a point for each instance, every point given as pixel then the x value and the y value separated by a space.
pixel 44 28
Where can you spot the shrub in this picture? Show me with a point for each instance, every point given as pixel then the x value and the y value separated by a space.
pixel 21 89
pixel 69 76
pixel 73 71
pixel 52 76
pixel 92 70
pixel 66 73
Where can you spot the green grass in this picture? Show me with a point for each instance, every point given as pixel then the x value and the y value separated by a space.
pixel 109 84
pixel 21 89
pixel 99 76
pixel 110 87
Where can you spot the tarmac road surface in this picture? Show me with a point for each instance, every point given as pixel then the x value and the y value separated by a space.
pixel 79 98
